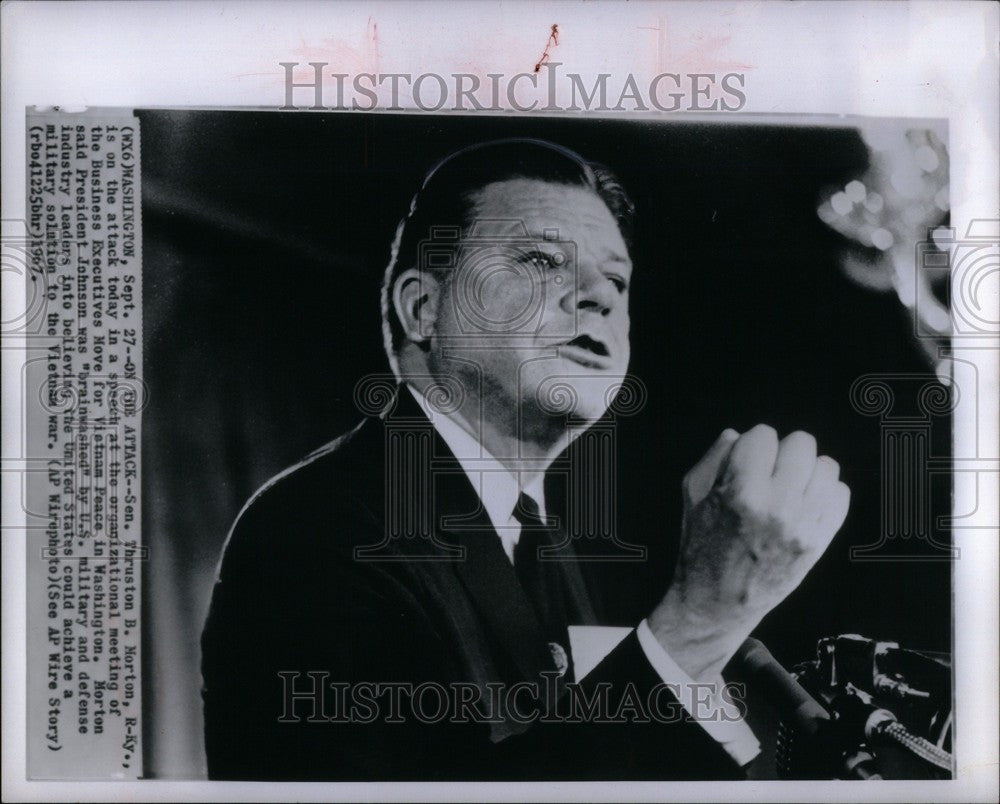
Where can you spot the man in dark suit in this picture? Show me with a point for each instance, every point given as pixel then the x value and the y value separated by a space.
pixel 405 605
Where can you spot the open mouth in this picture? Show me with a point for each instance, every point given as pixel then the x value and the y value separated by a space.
pixel 589 344
pixel 586 351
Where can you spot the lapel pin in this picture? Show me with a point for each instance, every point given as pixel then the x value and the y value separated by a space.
pixel 559 657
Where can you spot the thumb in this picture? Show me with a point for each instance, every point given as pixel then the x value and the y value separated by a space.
pixel 700 479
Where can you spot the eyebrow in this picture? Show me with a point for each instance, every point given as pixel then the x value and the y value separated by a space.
pixel 611 255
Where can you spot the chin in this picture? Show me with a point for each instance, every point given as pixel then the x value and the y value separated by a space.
pixel 590 412
pixel 577 397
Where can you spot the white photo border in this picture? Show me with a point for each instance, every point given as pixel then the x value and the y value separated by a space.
pixel 874 59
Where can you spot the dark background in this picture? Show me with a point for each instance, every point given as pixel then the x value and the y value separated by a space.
pixel 265 237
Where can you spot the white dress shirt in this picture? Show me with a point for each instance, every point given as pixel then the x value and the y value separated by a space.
pixel 498 490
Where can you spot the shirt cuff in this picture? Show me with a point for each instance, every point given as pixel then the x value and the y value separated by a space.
pixel 702 700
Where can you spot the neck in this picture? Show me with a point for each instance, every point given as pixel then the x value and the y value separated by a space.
pixel 525 450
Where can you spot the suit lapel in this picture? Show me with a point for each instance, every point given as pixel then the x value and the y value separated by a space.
pixel 459 520
pixel 487 574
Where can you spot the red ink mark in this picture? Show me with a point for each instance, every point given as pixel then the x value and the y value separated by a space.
pixel 553 40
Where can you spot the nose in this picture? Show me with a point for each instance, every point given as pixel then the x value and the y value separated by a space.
pixel 593 292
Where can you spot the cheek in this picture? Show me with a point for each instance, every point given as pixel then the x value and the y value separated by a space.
pixel 625 345
pixel 502 284
pixel 446 325
pixel 510 300
pixel 622 327
pixel 498 300
pixel 510 365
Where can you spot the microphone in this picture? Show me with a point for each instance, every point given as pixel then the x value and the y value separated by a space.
pixel 807 745
pixel 780 688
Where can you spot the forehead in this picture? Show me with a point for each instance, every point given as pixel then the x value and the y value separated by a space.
pixel 545 208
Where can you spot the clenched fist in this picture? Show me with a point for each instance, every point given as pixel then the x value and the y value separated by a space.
pixel 757 515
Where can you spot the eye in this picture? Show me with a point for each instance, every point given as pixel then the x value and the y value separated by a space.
pixel 620 284
pixel 543 259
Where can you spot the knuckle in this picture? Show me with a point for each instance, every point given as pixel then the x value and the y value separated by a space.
pixel 746 499
pixel 828 465
pixel 765 431
pixel 795 545
pixel 788 516
pixel 802 439
pixel 731 492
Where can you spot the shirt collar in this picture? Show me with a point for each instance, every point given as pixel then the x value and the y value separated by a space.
pixel 496 486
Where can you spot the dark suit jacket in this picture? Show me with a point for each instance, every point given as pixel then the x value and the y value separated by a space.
pixel 319 577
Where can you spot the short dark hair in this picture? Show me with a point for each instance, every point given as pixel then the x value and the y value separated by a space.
pixel 446 196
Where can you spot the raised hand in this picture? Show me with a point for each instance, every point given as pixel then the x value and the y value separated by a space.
pixel 758 514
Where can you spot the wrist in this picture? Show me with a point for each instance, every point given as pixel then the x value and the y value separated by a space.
pixel 699 645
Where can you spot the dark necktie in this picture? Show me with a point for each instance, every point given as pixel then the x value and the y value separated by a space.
pixel 542 579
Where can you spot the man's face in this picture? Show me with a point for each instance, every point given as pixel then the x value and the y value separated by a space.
pixel 537 306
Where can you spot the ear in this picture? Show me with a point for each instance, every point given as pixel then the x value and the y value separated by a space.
pixel 415 297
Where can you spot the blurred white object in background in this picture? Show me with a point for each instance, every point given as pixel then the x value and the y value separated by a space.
pixel 892 211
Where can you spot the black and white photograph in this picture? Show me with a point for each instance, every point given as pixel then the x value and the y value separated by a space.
pixel 437 422
pixel 378 362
